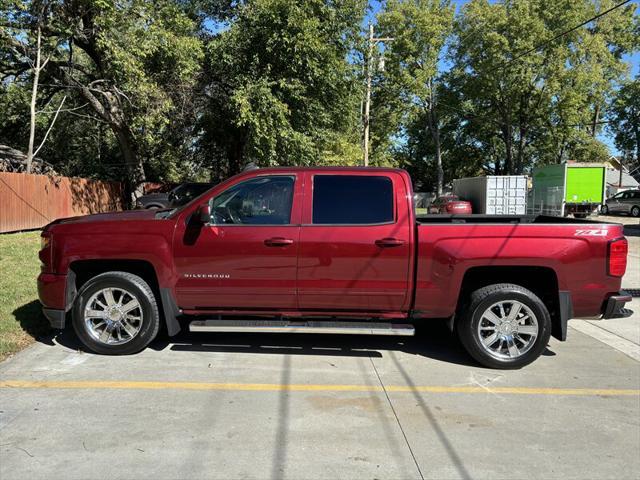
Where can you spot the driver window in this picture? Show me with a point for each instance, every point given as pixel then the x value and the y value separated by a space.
pixel 259 201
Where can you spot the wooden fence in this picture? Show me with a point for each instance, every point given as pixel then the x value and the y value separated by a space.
pixel 31 201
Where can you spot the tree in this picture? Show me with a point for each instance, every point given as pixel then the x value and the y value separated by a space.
pixel 624 119
pixel 420 29
pixel 525 79
pixel 280 88
pixel 130 62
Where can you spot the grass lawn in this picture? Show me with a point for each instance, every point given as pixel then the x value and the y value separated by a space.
pixel 21 320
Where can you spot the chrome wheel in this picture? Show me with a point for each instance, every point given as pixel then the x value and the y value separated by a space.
pixel 113 316
pixel 507 329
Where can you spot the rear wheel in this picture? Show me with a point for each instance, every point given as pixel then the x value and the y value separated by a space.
pixel 116 313
pixel 504 326
pixel 635 211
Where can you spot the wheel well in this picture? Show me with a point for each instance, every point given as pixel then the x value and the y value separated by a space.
pixel 85 270
pixel 542 281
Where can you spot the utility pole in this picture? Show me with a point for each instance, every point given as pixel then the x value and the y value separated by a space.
pixel 372 41
pixel 621 167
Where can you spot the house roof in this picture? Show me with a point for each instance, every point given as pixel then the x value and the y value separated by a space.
pixel 613 179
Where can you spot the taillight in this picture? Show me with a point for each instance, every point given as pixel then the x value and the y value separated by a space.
pixel 45 251
pixel 617 257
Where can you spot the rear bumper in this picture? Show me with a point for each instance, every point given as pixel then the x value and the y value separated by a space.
pixel 614 307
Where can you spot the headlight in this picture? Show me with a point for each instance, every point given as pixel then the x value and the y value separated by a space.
pixel 45 242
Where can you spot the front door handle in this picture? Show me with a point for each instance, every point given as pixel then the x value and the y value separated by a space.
pixel 389 242
pixel 278 242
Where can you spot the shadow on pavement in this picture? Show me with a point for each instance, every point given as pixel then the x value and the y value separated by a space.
pixel 32 321
pixel 433 341
pixel 632 230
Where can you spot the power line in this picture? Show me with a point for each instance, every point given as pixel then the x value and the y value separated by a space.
pixel 572 29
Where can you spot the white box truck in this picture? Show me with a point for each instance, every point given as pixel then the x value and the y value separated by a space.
pixel 494 194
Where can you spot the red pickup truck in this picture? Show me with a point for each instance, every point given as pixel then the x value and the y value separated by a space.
pixel 330 250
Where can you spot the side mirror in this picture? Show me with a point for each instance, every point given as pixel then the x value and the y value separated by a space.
pixel 203 214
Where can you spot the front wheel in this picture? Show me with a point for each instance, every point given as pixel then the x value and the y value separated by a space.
pixel 116 313
pixel 504 326
pixel 604 210
pixel 635 211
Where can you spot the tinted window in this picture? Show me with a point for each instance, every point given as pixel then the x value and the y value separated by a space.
pixel 352 200
pixel 635 195
pixel 259 201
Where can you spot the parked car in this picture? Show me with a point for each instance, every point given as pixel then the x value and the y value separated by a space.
pixel 623 202
pixel 451 204
pixel 177 197
pixel 328 250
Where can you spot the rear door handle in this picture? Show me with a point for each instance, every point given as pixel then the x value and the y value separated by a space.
pixel 389 242
pixel 278 242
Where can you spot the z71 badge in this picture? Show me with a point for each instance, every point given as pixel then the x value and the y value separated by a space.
pixel 591 233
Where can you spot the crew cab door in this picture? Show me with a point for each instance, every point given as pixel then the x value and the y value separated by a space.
pixel 245 257
pixel 355 242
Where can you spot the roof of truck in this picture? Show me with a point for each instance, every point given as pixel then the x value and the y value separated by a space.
pixel 338 169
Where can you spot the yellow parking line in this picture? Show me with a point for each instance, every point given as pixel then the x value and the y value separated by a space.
pixel 270 387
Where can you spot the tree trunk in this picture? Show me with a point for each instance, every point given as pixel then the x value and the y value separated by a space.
pixel 439 169
pixel 636 132
pixel 433 124
pixel 508 157
pixel 520 153
pixel 34 96
pixel 134 168
pixel 596 117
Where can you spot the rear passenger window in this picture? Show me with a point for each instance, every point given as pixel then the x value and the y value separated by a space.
pixel 352 200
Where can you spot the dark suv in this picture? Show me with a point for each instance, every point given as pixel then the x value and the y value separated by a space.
pixel 180 195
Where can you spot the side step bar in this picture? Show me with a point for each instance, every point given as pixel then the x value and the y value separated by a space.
pixel 297 326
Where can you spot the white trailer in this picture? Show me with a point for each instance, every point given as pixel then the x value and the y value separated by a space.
pixel 495 194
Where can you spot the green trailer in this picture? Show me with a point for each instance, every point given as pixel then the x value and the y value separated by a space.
pixel 566 189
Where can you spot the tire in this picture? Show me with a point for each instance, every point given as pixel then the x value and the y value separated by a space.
pixel 580 215
pixel 128 322
pixel 635 211
pixel 604 210
pixel 533 317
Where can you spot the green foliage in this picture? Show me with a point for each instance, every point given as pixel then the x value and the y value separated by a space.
pixel 129 65
pixel 418 31
pixel 178 89
pixel 290 96
pixel 541 104
pixel 624 120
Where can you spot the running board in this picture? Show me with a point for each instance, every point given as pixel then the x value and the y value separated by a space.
pixel 296 326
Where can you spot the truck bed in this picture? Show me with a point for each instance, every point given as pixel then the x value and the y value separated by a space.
pixel 571 253
pixel 503 219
